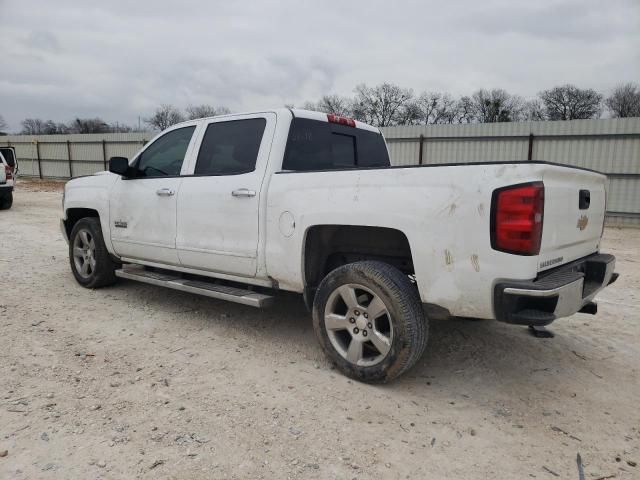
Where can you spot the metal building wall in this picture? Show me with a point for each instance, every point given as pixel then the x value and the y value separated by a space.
pixel 66 156
pixel 610 146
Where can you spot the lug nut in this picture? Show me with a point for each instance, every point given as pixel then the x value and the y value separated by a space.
pixel 369 325
pixel 364 333
pixel 356 330
pixel 366 315
pixel 357 312
pixel 352 320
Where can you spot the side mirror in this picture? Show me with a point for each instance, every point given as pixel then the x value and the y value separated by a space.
pixel 119 165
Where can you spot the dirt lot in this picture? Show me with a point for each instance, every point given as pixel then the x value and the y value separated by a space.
pixel 138 381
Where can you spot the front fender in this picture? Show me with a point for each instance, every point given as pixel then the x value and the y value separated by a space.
pixel 91 193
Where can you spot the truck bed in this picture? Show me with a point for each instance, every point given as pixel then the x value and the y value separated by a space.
pixel 445 213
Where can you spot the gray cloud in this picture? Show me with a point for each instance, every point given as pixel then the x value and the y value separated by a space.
pixel 43 41
pixel 120 59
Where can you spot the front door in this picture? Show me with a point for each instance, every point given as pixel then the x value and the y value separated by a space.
pixel 218 206
pixel 143 205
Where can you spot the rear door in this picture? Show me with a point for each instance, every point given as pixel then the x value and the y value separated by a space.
pixel 574 211
pixel 218 204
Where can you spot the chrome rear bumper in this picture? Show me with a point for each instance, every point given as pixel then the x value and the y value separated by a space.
pixel 555 294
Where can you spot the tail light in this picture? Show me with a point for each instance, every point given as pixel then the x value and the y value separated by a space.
pixel 8 171
pixel 516 218
pixel 349 122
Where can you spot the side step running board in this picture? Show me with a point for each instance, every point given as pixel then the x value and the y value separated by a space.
pixel 199 287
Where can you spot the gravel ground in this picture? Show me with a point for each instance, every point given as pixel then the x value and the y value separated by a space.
pixel 135 381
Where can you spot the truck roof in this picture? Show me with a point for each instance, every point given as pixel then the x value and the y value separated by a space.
pixel 296 112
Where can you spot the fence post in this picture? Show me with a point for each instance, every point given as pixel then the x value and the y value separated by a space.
pixel 104 153
pixel 420 150
pixel 530 153
pixel 38 156
pixel 69 158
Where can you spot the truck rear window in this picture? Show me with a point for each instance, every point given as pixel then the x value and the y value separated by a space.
pixel 317 145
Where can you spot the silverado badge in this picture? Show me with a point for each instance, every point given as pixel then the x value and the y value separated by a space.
pixel 582 222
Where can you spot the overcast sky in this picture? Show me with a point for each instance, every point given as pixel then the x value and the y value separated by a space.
pixel 119 59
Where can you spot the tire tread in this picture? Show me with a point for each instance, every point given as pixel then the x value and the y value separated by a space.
pixel 414 323
pixel 105 266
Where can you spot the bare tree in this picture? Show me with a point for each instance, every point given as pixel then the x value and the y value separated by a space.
pixel 410 113
pixel 53 128
pixel 89 125
pixel 381 105
pixel 624 101
pixel 569 102
pixel 37 126
pixel 330 104
pixel 32 126
pixel 436 108
pixel 164 116
pixel 497 105
pixel 534 110
pixel 3 124
pixel 464 110
pixel 202 111
pixel 336 104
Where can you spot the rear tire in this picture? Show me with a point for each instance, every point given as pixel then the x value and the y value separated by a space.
pixel 6 201
pixel 369 320
pixel 90 261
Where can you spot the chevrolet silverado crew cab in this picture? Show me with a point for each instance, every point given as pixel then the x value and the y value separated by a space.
pixel 237 207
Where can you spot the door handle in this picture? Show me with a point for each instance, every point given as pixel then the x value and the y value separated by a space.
pixel 243 192
pixel 165 192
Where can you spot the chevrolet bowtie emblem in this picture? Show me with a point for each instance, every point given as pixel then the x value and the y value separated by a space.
pixel 582 222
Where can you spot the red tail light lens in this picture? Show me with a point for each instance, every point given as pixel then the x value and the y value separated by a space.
pixel 516 221
pixel 349 122
pixel 8 171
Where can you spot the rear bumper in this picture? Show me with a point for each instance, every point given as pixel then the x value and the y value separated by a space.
pixel 555 294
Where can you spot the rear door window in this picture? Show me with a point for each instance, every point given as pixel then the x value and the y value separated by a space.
pixel 230 148
pixel 317 145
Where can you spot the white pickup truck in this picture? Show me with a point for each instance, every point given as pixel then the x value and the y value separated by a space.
pixel 237 207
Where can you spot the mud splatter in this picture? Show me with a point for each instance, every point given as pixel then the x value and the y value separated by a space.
pixel 481 209
pixel 475 262
pixel 448 258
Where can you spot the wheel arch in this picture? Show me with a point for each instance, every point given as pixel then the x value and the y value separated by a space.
pixel 326 247
pixel 75 214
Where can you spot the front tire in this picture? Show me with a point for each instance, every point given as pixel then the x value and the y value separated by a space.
pixel 369 320
pixel 6 201
pixel 90 261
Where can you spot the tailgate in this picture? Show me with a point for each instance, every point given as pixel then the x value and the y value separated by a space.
pixel 574 209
